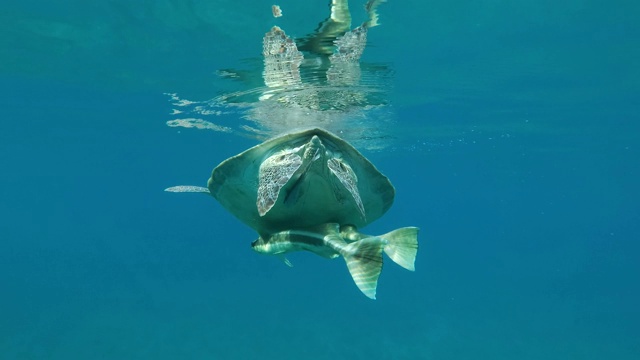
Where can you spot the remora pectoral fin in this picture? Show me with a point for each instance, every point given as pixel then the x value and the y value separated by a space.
pixel 364 261
pixel 402 246
pixel 188 189
pixel 285 260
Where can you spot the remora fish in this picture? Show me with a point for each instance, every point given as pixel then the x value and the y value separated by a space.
pixel 362 253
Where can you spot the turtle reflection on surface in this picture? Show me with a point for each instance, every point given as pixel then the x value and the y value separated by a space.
pixel 333 50
pixel 317 80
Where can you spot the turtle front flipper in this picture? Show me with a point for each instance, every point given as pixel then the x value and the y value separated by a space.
pixel 275 172
pixel 348 179
pixel 188 189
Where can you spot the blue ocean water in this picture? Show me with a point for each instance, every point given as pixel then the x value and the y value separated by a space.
pixel 514 146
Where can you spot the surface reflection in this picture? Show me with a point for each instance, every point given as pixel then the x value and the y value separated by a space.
pixel 317 80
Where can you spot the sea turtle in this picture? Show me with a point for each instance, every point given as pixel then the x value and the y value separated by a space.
pixel 309 189
pixel 300 179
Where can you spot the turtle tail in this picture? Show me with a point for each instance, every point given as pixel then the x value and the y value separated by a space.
pixel 402 246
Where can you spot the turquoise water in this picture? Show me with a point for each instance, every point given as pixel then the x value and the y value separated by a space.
pixel 512 139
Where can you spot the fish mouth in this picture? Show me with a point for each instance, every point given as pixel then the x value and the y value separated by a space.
pixel 258 245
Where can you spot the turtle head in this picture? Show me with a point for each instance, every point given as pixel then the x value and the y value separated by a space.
pixel 285 168
pixel 313 150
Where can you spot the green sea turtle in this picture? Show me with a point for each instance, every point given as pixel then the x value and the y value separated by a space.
pixel 362 253
pixel 300 179
pixel 309 189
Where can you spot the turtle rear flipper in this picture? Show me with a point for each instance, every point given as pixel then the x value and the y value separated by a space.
pixel 402 247
pixel 364 260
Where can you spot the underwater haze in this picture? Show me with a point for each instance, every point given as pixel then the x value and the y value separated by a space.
pixel 510 130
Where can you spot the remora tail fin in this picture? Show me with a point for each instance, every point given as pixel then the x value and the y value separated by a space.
pixel 364 261
pixel 402 246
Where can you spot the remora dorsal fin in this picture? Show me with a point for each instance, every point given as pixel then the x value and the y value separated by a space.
pixel 364 261
pixel 402 246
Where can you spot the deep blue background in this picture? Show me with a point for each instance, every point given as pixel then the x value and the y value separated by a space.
pixel 516 154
